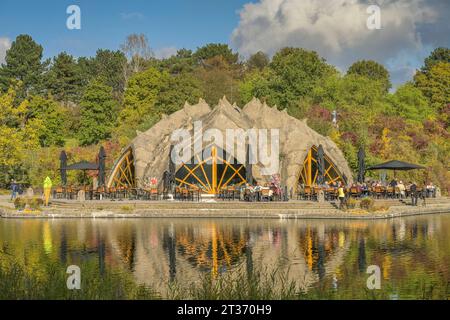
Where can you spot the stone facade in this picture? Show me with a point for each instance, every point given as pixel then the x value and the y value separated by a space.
pixel 151 148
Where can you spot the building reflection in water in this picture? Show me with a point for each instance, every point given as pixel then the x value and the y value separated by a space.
pixel 158 251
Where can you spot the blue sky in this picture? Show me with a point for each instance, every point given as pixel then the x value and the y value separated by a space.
pixel 105 24
pixel 336 29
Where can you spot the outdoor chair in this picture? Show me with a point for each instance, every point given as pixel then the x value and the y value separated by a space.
pixel 70 193
pixel 379 192
pixel 307 193
pixel 184 194
pixel 390 192
pixel 265 195
pixel 99 193
pixel 354 192
pixel 58 193
pixel 154 194
pixel 330 194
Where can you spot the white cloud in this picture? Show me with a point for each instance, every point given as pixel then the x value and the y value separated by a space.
pixel 335 29
pixel 5 44
pixel 165 52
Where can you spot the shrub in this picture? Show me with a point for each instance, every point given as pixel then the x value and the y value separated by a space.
pixel 367 204
pixel 35 203
pixel 351 203
pixel 19 203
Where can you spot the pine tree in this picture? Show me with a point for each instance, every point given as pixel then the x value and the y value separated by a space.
pixel 64 78
pixel 23 63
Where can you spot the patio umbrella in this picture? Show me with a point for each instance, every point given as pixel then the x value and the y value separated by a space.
pixel 101 166
pixel 361 165
pixel 248 166
pixel 171 163
pixel 62 167
pixel 171 174
pixel 320 165
pixel 396 165
pixel 83 165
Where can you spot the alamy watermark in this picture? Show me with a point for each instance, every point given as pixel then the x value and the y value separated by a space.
pixel 263 146
pixel 73 22
pixel 374 20
pixel 74 280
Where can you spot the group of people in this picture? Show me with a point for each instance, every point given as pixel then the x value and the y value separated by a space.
pixel 411 189
pixel 16 189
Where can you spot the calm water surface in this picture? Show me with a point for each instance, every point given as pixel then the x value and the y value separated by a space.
pixel 325 258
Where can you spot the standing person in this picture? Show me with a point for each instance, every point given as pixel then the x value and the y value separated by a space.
pixel 47 190
pixel 414 195
pixel 14 189
pixel 341 196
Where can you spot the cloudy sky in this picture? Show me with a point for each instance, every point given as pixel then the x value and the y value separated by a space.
pixel 337 29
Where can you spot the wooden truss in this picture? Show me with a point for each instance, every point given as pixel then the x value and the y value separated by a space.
pixel 123 174
pixel 215 184
pixel 309 172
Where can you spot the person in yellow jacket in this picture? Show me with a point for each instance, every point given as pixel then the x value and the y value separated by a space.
pixel 341 196
pixel 47 190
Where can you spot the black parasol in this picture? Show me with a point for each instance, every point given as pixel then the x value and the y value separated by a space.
pixel 361 165
pixel 101 166
pixel 62 167
pixel 320 165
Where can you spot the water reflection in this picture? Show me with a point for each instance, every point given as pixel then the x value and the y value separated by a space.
pixel 311 252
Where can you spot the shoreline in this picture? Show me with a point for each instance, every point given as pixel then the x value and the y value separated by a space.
pixel 221 210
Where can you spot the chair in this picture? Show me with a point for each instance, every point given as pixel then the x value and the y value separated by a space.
pixel 330 194
pixel 184 194
pixel 354 192
pixel 390 192
pixel 307 193
pixel 380 192
pixel 58 193
pixel 265 195
pixel 99 193
pixel 154 194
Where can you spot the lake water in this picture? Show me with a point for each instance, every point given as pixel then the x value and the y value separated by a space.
pixel 321 258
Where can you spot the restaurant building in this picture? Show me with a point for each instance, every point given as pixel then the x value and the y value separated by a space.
pixel 148 156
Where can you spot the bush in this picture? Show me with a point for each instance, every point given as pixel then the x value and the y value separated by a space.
pixel 367 204
pixel 351 203
pixel 35 203
pixel 19 203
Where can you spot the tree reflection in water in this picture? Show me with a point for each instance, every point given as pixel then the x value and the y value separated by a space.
pixel 321 257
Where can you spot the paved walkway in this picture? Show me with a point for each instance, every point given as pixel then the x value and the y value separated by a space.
pixel 220 209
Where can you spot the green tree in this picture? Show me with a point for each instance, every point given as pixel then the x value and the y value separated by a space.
pixel 258 61
pixel 409 103
pixel 176 91
pixel 438 55
pixel 140 99
pixel 218 78
pixel 53 118
pixel 182 62
pixel 64 78
pixel 372 70
pixel 291 76
pixel 98 113
pixel 24 64
pixel 110 65
pixel 19 136
pixel 212 50
pixel 435 84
